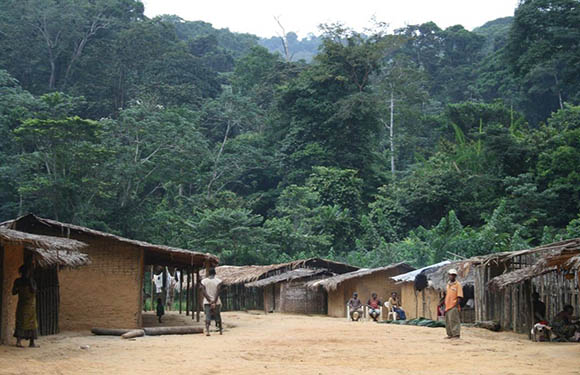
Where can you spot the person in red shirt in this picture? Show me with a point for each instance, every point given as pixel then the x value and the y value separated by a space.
pixel 453 298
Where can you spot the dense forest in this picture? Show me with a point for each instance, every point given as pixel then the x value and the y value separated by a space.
pixel 418 144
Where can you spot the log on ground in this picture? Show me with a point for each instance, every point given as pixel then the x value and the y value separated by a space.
pixel 133 333
pixel 156 331
pixel 109 331
pixel 488 324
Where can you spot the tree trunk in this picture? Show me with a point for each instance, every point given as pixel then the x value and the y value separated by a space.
pixel 391 134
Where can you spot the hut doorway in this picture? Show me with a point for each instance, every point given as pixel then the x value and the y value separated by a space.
pixel 47 300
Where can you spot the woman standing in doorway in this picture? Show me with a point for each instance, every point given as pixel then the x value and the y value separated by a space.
pixel 26 322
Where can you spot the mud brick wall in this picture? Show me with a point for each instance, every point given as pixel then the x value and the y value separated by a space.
pixel 379 282
pixel 419 304
pixel 13 259
pixel 106 293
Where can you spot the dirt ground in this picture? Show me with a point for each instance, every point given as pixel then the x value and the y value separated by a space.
pixel 292 344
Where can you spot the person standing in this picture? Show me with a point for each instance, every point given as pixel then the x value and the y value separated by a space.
pixel 453 298
pixel 210 287
pixel 26 320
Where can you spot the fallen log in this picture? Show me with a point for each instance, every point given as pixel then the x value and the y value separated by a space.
pixel 133 333
pixel 109 331
pixel 185 330
pixel 488 324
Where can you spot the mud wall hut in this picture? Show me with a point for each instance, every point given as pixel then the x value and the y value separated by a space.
pixel 419 303
pixel 109 291
pixel 46 254
pixel 287 292
pixel 364 281
pixel 242 292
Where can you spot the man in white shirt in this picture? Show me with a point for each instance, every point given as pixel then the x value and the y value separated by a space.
pixel 210 287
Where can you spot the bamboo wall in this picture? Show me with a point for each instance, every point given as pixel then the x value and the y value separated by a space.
pixel 512 306
pixel 239 298
pixel 556 291
pixel 294 297
pixel 47 300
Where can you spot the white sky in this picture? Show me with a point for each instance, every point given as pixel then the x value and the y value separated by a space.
pixel 304 16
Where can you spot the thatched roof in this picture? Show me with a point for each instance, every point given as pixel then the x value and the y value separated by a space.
pixel 50 251
pixel 410 276
pixel 332 283
pixel 231 275
pixel 564 255
pixel 465 274
pixel 154 254
pixel 297 274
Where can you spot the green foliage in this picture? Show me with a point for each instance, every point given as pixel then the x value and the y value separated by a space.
pixel 175 132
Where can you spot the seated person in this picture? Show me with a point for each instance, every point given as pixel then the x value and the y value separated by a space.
pixel 564 325
pixel 396 306
pixel 374 305
pixel 539 308
pixel 355 307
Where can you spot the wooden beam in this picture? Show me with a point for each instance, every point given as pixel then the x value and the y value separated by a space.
pixel 180 288
pixel 197 283
pixel 187 294
pixel 151 286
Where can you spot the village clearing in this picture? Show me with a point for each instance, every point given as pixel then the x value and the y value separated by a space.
pixel 295 344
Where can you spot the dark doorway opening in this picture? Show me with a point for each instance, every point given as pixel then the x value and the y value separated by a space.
pixel 47 300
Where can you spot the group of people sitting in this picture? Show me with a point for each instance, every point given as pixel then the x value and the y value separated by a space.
pixel 565 326
pixel 374 307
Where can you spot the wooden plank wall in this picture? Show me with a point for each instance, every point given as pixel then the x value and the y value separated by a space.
pixel 238 298
pixel 512 306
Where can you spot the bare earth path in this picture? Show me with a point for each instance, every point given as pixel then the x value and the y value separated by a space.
pixel 290 344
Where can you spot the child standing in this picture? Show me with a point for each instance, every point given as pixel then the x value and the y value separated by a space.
pixel 160 309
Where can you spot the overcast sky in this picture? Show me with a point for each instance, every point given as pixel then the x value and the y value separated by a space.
pixel 304 16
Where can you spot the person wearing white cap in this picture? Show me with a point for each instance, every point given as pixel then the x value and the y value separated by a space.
pixel 453 298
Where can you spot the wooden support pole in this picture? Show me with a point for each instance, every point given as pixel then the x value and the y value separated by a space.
pixel 165 288
pixel 151 288
pixel 197 283
pixel 187 293
pixel 180 288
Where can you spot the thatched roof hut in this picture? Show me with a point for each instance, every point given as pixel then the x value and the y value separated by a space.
pixel 410 276
pixel 154 254
pixel 505 282
pixel 297 274
pixel 231 275
pixel 339 288
pixel 245 285
pixel 560 256
pixel 332 283
pixel 50 251
pixel 115 278
pixel 465 274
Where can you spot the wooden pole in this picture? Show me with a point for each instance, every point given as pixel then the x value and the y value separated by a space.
pixel 152 289
pixel 197 281
pixel 164 291
pixel 187 294
pixel 180 288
